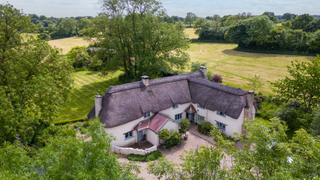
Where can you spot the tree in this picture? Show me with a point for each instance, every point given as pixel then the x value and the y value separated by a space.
pixel 301 21
pixel 250 32
pixel 67 157
pixel 164 134
pixel 34 81
pixel 190 18
pixel 84 24
pixel 255 83
pixel 198 24
pixel 51 28
pixel 303 84
pixel 79 56
pixel 315 124
pixel 66 27
pixel 288 16
pixel 40 28
pixel 271 16
pixel 184 125
pixel 314 41
pixel 140 34
pixel 313 26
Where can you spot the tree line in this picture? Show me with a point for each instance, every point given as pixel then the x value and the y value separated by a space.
pixel 298 34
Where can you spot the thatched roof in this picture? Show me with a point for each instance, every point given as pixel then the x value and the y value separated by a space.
pixel 124 103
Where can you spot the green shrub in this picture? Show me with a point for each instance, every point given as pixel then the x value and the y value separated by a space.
pixel 164 134
pixel 174 139
pixel 84 131
pixel 206 128
pixel 184 125
pixel 145 158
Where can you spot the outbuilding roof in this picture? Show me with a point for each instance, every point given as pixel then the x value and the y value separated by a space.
pixel 125 103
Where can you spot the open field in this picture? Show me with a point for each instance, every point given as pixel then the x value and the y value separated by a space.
pixel 236 68
pixel 190 33
pixel 67 43
pixel 86 86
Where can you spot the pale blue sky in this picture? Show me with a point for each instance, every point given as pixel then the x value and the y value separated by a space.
pixel 202 8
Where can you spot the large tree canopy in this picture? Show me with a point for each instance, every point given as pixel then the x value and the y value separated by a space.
pixel 34 79
pixel 138 39
pixel 303 83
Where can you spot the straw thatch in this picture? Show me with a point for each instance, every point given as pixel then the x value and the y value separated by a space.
pixel 124 103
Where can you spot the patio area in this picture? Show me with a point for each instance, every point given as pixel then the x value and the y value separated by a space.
pixel 142 145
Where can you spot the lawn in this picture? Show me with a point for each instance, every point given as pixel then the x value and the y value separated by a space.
pixel 190 33
pixel 86 86
pixel 236 68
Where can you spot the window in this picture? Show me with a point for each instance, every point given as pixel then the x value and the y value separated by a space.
pixel 221 114
pixel 200 119
pixel 221 126
pixel 146 115
pixel 200 106
pixel 128 135
pixel 178 116
pixel 175 106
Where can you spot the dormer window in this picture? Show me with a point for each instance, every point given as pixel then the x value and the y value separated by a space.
pixel 146 115
pixel 175 106
pixel 201 106
pixel 221 114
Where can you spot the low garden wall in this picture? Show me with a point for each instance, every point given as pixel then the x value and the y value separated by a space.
pixel 127 150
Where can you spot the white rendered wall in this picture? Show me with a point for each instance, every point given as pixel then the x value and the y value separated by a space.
pixel 119 131
pixel 152 137
pixel 171 126
pixel 170 112
pixel 233 125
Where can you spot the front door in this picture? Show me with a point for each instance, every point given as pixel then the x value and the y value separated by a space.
pixel 140 135
pixel 190 116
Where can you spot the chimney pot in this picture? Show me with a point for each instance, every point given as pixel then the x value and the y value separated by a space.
pixel 145 80
pixel 98 104
pixel 203 69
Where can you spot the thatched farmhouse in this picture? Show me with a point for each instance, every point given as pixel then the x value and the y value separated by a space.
pixel 139 110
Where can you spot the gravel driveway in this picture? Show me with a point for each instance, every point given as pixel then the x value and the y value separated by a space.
pixel 174 155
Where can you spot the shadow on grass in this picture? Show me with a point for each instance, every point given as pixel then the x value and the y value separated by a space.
pixel 232 52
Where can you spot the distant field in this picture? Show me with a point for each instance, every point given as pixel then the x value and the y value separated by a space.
pixel 86 86
pixel 190 33
pixel 67 43
pixel 236 68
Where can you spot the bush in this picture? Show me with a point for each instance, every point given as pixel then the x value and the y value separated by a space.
pixel 217 78
pixel 145 158
pixel 174 139
pixel 84 131
pixel 293 104
pixel 164 134
pixel 206 128
pixel 195 66
pixel 184 125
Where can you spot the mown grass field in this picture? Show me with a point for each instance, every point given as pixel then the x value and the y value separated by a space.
pixel 86 85
pixel 236 68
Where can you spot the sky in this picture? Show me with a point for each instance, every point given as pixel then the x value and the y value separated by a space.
pixel 202 8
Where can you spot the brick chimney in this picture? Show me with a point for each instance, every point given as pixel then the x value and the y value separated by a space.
pixel 98 104
pixel 145 80
pixel 204 70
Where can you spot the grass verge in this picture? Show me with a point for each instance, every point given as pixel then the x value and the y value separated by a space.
pixel 145 158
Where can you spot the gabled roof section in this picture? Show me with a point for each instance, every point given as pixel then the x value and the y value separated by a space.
pixel 157 122
pixel 190 109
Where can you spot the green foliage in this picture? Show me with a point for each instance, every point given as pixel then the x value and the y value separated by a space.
pixel 301 21
pixel 68 121
pixel 190 18
pixel 303 84
pixel 164 134
pixel 149 46
pixel 314 41
pixel 271 16
pixel 315 124
pixel 40 28
pixel 184 125
pixel 154 155
pixel 43 36
pixel 174 139
pixel 163 169
pixel 66 27
pixel 79 57
pixel 313 26
pixel 250 32
pixel 206 128
pixel 288 16
pixel 66 157
pixel 34 81
pixel 195 66
pixel 255 83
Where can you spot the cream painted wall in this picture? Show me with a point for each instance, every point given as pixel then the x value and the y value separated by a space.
pixel 152 137
pixel 170 112
pixel 171 126
pixel 119 131
pixel 233 125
